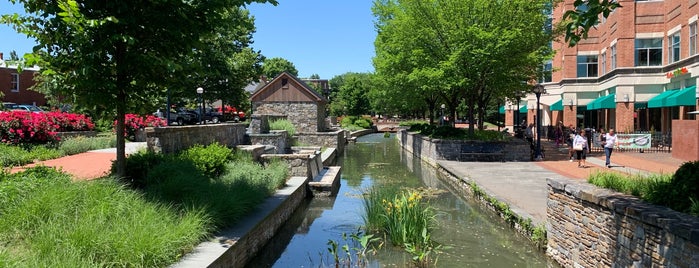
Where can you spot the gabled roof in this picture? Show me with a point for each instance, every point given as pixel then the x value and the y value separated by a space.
pixel 304 87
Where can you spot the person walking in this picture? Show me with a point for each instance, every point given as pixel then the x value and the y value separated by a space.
pixel 580 147
pixel 609 143
pixel 570 136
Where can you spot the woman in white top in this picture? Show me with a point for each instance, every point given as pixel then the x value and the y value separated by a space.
pixel 581 140
pixel 609 143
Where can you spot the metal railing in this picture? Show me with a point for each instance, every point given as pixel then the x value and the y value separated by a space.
pixel 660 143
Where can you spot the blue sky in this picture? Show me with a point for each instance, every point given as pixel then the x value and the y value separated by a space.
pixel 324 37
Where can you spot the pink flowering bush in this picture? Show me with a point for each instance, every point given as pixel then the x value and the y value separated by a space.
pixel 134 122
pixel 18 127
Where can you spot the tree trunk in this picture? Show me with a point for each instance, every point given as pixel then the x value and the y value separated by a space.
pixel 122 85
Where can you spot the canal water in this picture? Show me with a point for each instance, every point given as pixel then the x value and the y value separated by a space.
pixel 471 237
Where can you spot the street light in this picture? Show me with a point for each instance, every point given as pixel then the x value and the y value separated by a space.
pixel 441 118
pixel 518 96
pixel 200 91
pixel 538 90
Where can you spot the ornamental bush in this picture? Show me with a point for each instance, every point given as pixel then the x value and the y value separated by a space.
pixel 22 127
pixel 134 122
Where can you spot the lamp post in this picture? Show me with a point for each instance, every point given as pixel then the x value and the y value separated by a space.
pixel 538 90
pixel 518 96
pixel 200 92
pixel 441 117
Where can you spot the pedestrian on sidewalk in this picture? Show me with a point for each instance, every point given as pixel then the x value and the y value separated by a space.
pixel 580 147
pixel 609 143
pixel 570 136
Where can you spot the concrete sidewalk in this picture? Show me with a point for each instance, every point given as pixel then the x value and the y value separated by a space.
pixel 523 184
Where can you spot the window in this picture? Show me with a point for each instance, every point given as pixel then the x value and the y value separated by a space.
pixel 547 70
pixel 603 63
pixel 673 48
pixel 285 83
pixel 14 85
pixel 587 66
pixel 612 57
pixel 649 52
pixel 693 38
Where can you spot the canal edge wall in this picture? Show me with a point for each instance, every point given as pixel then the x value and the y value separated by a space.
pixel 594 227
pixel 520 220
pixel 235 246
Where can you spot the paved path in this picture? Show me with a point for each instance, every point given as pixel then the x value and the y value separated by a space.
pixel 89 165
pixel 523 184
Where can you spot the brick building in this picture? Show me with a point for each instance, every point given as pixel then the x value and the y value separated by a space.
pixel 636 71
pixel 15 85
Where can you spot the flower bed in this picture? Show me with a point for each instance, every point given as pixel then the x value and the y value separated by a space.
pixel 134 122
pixel 18 127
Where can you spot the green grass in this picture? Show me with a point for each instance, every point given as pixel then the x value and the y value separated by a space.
pixel 638 185
pixel 48 221
pixel 283 124
pixel 82 144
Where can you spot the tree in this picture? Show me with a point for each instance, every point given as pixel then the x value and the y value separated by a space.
pixel 315 76
pixel 116 55
pixel 351 96
pixel 451 50
pixel 577 22
pixel 13 56
pixel 275 66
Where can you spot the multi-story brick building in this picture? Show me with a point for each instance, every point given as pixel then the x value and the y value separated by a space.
pixel 637 70
pixel 15 85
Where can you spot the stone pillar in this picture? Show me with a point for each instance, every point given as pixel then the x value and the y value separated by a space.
pixel 624 117
pixel 570 115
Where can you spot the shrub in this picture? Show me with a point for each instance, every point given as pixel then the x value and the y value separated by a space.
pixel 138 165
pixel 13 155
pixel 81 144
pixel 210 160
pixel 283 124
pixel 684 187
pixel 38 128
pixel 134 122
pixel 363 122
pixel 71 122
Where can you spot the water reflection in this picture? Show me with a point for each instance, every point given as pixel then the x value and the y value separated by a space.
pixel 474 238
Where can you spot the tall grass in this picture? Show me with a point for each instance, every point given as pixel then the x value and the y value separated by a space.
pixel 283 124
pixel 645 187
pixel 405 218
pixel 81 144
pixel 47 221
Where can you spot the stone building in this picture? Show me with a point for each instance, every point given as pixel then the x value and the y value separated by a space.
pixel 288 96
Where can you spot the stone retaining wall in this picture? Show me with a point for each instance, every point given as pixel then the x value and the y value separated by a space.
pixel 593 227
pixel 306 116
pixel 279 139
pixel 431 150
pixel 73 134
pixel 300 165
pixel 334 139
pixel 173 139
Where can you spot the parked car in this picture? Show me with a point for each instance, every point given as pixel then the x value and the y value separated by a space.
pixel 210 115
pixel 180 116
pixel 231 114
pixel 9 106
pixel 28 108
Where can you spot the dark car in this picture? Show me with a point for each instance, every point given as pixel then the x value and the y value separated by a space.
pixel 180 116
pixel 9 106
pixel 210 115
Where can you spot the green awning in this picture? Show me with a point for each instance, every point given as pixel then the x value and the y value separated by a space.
pixel 685 97
pixel 523 109
pixel 557 106
pixel 640 105
pixel 502 109
pixel 661 99
pixel 604 102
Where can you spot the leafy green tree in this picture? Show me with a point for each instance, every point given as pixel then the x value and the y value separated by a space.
pixel 116 55
pixel 274 66
pixel 472 50
pixel 351 96
pixel 577 22
pixel 315 76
